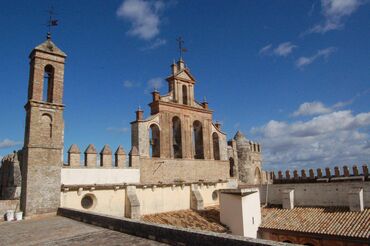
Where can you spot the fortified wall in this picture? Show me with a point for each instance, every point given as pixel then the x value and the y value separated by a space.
pixel 338 187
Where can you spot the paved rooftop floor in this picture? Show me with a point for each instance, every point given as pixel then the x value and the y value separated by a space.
pixel 55 230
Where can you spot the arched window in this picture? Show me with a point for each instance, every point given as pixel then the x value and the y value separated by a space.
pixel 185 94
pixel 176 133
pixel 198 140
pixel 155 141
pixel 47 95
pixel 46 127
pixel 232 166
pixel 216 146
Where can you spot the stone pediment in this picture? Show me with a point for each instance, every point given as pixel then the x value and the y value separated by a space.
pixel 185 75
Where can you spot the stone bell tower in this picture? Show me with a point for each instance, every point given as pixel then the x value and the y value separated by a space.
pixel 44 131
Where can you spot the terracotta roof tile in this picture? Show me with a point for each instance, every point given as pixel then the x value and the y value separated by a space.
pixel 202 220
pixel 336 221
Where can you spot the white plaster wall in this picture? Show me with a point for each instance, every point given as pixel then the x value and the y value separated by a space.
pixel 207 192
pixel 83 176
pixel 251 214
pixel 163 199
pixel 231 213
pixel 316 194
pixel 108 202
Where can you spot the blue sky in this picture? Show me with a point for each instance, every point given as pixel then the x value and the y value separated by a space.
pixel 294 75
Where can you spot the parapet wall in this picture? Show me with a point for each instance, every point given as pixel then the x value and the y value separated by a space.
pixel 327 175
pixel 316 194
pixel 162 233
pixel 115 199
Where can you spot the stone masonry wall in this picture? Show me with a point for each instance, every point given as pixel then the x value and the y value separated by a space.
pixel 169 170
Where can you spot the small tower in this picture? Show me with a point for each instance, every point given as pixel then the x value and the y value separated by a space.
pixel 44 131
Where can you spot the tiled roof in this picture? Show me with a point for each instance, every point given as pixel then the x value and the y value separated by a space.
pixel 335 221
pixel 207 220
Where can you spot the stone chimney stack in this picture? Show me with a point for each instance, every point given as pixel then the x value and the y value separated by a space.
pixel 106 157
pixel 139 114
pixel 90 156
pixel 156 96
pixel 74 156
pixel 120 157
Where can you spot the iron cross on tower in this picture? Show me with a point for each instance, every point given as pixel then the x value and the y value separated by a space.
pixel 52 21
pixel 181 47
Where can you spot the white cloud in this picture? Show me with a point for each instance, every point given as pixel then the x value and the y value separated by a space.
pixel 155 83
pixel 284 49
pixel 157 43
pixel 130 84
pixel 264 50
pixel 311 108
pixel 118 129
pixel 335 12
pixel 144 17
pixel 325 53
pixel 335 138
pixel 7 143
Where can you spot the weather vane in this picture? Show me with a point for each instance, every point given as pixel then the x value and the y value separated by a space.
pixel 181 47
pixel 52 21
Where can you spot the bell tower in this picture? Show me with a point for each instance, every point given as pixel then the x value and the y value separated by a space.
pixel 44 131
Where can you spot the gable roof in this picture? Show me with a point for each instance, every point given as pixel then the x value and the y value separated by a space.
pixel 49 47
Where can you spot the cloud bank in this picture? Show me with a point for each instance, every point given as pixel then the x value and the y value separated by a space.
pixel 332 138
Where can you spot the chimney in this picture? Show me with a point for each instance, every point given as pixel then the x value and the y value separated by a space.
pixel 156 95
pixel 288 199
pixel 139 114
pixel 356 199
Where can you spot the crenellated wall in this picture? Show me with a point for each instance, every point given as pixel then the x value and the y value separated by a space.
pixel 321 175
pixel 341 187
pixel 90 159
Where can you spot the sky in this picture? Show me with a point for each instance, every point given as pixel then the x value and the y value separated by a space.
pixel 292 75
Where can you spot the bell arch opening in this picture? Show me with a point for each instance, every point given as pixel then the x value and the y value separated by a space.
pixel 48 83
pixel 176 137
pixel 198 140
pixel 154 135
pixel 216 146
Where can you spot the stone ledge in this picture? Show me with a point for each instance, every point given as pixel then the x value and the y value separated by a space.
pixel 162 233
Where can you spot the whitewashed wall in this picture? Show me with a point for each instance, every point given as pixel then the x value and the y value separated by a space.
pixel 87 176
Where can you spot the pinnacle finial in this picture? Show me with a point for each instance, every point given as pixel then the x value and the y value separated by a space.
pixel 48 36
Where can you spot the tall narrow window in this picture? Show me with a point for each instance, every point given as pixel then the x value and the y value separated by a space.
pixel 46 127
pixel 198 140
pixel 185 94
pixel 154 141
pixel 176 133
pixel 216 146
pixel 232 166
pixel 47 95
